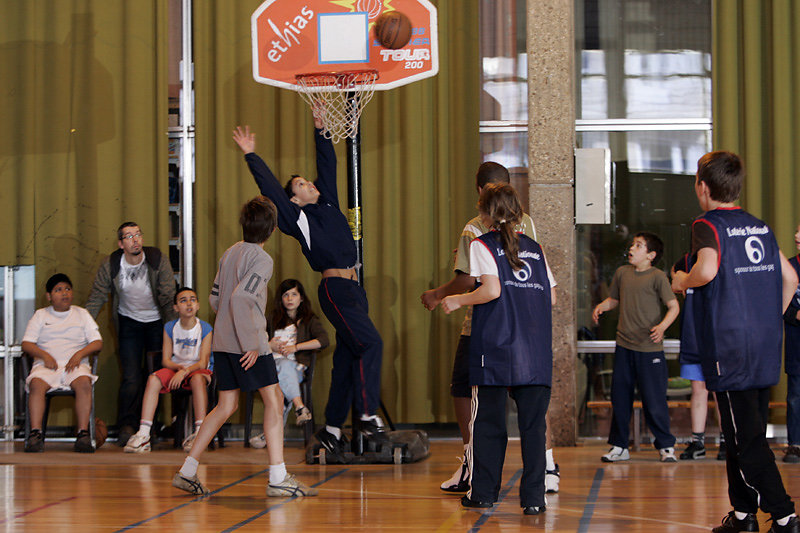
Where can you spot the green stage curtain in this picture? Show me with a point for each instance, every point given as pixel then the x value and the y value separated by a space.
pixel 83 101
pixel 419 156
pixel 756 75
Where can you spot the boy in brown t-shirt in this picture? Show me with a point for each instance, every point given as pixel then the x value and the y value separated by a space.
pixel 640 290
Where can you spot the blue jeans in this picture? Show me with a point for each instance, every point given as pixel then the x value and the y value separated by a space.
pixel 289 377
pixel 793 409
pixel 135 339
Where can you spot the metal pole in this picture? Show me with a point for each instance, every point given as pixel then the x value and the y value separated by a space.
pixel 187 148
pixel 354 191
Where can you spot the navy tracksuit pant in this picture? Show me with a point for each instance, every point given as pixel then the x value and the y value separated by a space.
pixel 357 358
pixel 753 477
pixel 487 449
pixel 648 371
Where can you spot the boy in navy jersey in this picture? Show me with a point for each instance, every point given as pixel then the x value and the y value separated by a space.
pixel 310 213
pixel 743 284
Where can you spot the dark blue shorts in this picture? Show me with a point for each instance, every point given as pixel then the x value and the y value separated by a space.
pixel 231 375
pixel 459 383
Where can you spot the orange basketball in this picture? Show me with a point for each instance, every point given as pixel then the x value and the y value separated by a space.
pixel 100 432
pixel 393 30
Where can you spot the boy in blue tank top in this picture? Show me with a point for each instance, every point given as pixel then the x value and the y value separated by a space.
pixel 742 285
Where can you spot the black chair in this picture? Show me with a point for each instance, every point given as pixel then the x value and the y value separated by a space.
pixel 182 405
pixel 305 394
pixel 26 362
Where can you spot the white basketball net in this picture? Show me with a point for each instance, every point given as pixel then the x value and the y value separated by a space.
pixel 337 99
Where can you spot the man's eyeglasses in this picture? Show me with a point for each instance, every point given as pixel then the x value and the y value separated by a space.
pixel 131 236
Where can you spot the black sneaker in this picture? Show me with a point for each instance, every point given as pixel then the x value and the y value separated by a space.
pixel 695 450
pixel 466 502
pixel 374 429
pixel 534 509
pixel 731 524
pixel 332 445
pixel 792 454
pixel 793 526
pixel 83 444
pixel 35 442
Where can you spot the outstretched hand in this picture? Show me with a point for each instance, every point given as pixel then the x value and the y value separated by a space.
pixel 245 139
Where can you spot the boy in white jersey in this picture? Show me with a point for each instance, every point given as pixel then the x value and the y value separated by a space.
pixel 60 338
pixel 185 360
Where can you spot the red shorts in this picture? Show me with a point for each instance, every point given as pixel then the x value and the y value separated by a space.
pixel 165 375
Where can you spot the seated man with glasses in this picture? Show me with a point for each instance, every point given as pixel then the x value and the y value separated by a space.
pixel 142 287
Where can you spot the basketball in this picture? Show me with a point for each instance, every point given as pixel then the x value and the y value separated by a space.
pixel 393 30
pixel 100 432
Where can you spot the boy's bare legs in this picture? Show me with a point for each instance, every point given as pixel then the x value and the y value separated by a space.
pixel 226 406
pixel 463 414
pixel 273 422
pixel 36 393
pixel 199 384
pixel 83 400
pixel 150 397
pixel 696 449
pixel 699 406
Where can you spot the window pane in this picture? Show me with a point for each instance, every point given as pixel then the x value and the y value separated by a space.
pixel 652 190
pixel 643 59
pixel 504 60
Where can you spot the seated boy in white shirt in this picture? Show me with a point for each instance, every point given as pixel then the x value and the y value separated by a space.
pixel 60 338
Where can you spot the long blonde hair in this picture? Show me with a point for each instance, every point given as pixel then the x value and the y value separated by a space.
pixel 500 203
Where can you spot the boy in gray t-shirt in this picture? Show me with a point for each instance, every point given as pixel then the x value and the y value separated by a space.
pixel 640 290
pixel 242 357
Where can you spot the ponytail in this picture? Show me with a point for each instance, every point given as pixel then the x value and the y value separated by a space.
pixel 500 203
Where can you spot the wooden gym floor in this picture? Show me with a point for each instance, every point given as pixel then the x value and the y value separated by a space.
pixel 111 491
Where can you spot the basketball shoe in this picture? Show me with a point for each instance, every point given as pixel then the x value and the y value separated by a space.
pixel 695 450
pixel 290 487
pixel 459 482
pixel 792 526
pixel 138 443
pixel 302 415
pixel 616 454
pixel 192 485
pixel 667 455
pixel 731 524
pixel 552 478
pixel 259 441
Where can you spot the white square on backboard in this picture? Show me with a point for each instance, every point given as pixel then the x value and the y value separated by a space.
pixel 343 37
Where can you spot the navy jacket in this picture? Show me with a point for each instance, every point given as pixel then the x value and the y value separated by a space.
pixel 739 329
pixel 511 341
pixel 321 229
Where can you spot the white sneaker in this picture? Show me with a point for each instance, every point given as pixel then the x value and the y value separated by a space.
pixel 551 480
pixel 138 443
pixel 616 454
pixel 259 441
pixel 668 455
pixel 188 441
pixel 459 482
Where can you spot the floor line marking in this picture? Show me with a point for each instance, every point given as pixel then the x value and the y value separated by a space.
pixel 591 499
pixel 276 506
pixel 488 514
pixel 40 508
pixel 193 500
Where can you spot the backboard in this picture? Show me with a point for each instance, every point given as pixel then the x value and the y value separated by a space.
pixel 291 37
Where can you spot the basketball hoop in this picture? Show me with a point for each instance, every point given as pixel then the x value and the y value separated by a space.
pixel 337 99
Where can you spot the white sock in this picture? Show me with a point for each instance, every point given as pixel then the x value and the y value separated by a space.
pixel 785 520
pixel 548 456
pixel 277 473
pixel 336 432
pixel 189 468
pixel 740 516
pixel 144 427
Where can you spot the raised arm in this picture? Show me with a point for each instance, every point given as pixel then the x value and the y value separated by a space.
pixel 267 183
pixel 326 167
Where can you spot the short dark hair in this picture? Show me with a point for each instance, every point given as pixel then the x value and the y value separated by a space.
pixel 288 186
pixel 258 219
pixel 124 225
pixel 654 244
pixel 54 280
pixel 180 290
pixel 491 172
pixel 723 173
